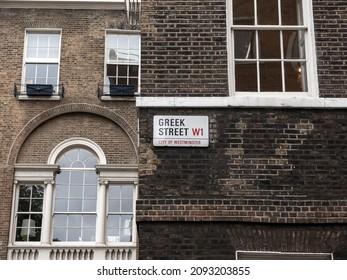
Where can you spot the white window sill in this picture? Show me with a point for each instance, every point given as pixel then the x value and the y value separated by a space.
pixel 41 98
pixel 242 101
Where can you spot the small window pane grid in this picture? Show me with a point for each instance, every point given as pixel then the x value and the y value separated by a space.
pixel 29 213
pixel 120 213
pixel 75 197
pixel 42 59
pixel 122 60
pixel 269 46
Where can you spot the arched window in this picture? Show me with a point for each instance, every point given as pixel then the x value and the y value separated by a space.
pixel 75 198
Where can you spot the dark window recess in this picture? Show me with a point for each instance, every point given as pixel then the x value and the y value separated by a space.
pixel 39 90
pixel 119 90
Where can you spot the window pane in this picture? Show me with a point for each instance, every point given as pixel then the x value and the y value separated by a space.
pixel 270 76
pixel 123 41
pixel 76 177
pixel 114 191
pixel 133 71
pixel 88 235
pixel 246 76
pixel 89 205
pixel 126 228
pixel 37 191
pixel 60 221
pixel 54 40
pixel 24 205
pixel 243 12
pixel 91 178
pixel 269 44
pixel 112 40
pixel 59 234
pixel 76 191
pixel 291 12
pixel 89 221
pixel 111 70
pixel 43 40
pixel 75 205
pixel 42 53
pixel 114 205
pixel 31 52
pixel 245 47
pixel 127 205
pixel 267 12
pixel 127 192
pixel 25 191
pixel 122 70
pixel 36 205
pixel 42 70
pixel 134 42
pixel 60 205
pixel 63 177
pixel 294 44
pixel 32 40
pixel 295 76
pixel 74 234
pixel 52 70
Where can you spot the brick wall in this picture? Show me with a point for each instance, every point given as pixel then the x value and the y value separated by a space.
pixel 213 241
pixel 330 27
pixel 184 48
pixel 30 129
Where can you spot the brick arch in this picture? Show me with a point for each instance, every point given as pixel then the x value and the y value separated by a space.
pixel 65 109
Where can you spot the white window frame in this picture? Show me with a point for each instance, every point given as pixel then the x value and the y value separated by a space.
pixel 27 60
pixel 107 61
pixel 312 78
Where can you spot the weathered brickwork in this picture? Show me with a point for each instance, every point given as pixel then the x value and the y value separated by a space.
pixel 30 129
pixel 330 31
pixel 184 48
pixel 222 240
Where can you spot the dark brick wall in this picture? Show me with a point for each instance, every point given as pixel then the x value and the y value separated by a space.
pixel 330 30
pixel 184 48
pixel 214 241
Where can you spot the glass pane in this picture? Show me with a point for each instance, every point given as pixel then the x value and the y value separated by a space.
pixel 123 41
pixel 294 44
pixel 113 221
pixel 134 82
pixel 123 70
pixel 24 205
pixel 122 81
pixel 32 40
pixel 84 155
pixel 43 40
pixel 89 205
pixel 111 70
pixel 270 76
pixel 91 178
pixel 74 234
pixel 60 205
pixel 72 154
pixel 37 191
pixel 53 53
pixel 75 205
pixel 267 12
pixel 75 221
pixel 42 53
pixel 63 177
pixel 245 47
pixel 114 191
pixel 61 191
pixel 25 191
pixel 54 40
pixel 295 76
pixel 113 235
pixel 59 234
pixel 30 71
pixel 76 191
pixel 36 205
pixel 37 218
pixel 90 192
pixel 243 12
pixel 21 218
pixel 77 164
pixel 134 42
pixel 112 55
pixel 269 44
pixel 89 221
pixel 127 205
pixel 133 71
pixel 246 76
pixel 133 56
pixel 64 161
pixel 127 192
pixel 126 228
pixel 291 12
pixel 31 52
pixel 76 177
pixel 88 235
pixel 123 56
pixel 53 70
pixel 60 221
pixel 112 41
pixel 114 205
pixel 42 70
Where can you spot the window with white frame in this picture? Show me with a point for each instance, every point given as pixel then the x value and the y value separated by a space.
pixel 122 63
pixel 271 46
pixel 76 197
pixel 41 62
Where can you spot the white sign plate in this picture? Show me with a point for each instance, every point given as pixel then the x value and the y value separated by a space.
pixel 180 131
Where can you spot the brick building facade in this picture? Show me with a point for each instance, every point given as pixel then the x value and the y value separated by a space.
pixel 269 77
